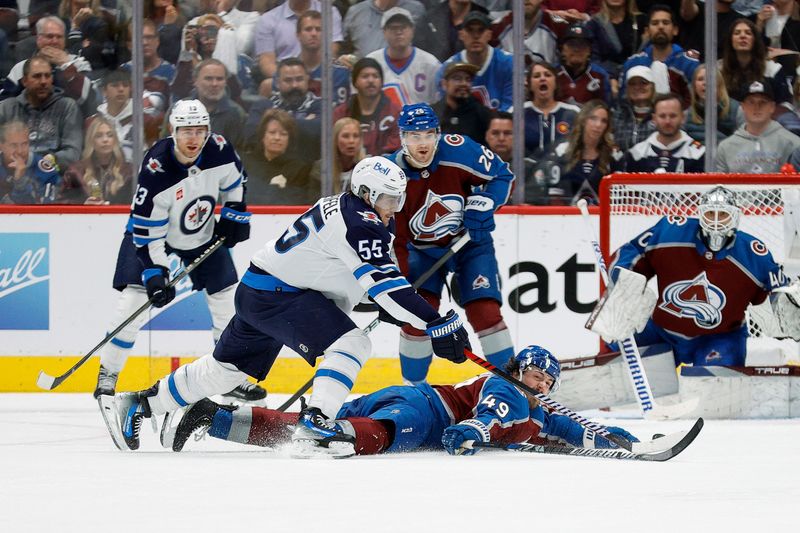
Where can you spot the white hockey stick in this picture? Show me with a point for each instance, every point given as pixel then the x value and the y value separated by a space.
pixel 641 387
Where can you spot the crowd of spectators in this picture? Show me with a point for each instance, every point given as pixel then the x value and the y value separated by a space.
pixel 611 85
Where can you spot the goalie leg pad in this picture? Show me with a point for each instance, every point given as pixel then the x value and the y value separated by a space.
pixel 116 352
pixel 337 373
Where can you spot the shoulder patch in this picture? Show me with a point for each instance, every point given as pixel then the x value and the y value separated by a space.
pixel 758 247
pixel 562 127
pixel 676 220
pixel 370 216
pixel 453 139
pixel 154 165
pixel 219 139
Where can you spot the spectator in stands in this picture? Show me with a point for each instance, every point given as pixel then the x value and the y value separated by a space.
pixel 694 21
pixel 309 35
pixel 117 109
pixel 791 120
pixel 276 36
pixel 573 8
pixel 438 34
pixel 89 34
pixel 617 28
pixel 668 149
pixel 275 176
pixel 102 176
pixel 779 23
pixel 71 72
pixel 672 68
pixel 459 111
pixel 761 145
pixel 348 149
pixel 243 21
pixel 583 160
pixel 542 31
pixel 409 72
pixel 633 115
pixel 170 18
pixel 547 119
pixel 53 119
pixel 25 177
pixel 363 24
pixel 579 80
pixel 729 113
pixel 493 83
pixel 376 113
pixel 159 74
pixel 744 61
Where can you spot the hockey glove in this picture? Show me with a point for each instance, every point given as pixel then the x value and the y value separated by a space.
pixel 385 316
pixel 479 217
pixel 234 223
pixel 448 337
pixel 454 437
pixel 595 441
pixel 155 281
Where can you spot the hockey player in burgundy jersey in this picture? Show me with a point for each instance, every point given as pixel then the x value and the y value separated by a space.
pixel 454 185
pixel 485 408
pixel 298 292
pixel 708 273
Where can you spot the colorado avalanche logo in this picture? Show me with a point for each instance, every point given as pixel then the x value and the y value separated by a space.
pixel 154 165
pixel 196 214
pixel 454 140
pixel 676 220
pixel 481 282
pixel 369 216
pixel 438 217
pixel 758 248
pixel 696 299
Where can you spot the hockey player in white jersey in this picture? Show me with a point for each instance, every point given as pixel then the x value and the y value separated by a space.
pixel 182 179
pixel 298 292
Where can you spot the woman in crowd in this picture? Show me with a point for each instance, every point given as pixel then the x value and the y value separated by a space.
pixel 744 61
pixel 729 114
pixel 617 28
pixel 348 149
pixel 579 163
pixel 102 176
pixel 547 120
pixel 273 176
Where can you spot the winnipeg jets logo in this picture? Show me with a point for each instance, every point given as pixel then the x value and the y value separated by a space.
pixel 369 216
pixel 438 217
pixel 196 214
pixel 696 299
pixel 481 282
pixel 154 165
pixel 220 140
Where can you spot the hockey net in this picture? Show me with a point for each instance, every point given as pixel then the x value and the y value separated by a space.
pixel 770 210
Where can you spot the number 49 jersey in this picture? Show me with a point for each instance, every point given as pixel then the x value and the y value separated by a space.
pixel 340 248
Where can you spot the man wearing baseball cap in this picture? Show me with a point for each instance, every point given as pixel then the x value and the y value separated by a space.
pixel 760 145
pixel 364 21
pixel 409 73
pixel 633 115
pixel 579 80
pixel 459 111
pixel 437 33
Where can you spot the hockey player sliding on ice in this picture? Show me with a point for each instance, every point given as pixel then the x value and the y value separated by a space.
pixel 182 179
pixel 298 292
pixel 486 408
pixel 708 272
pixel 454 184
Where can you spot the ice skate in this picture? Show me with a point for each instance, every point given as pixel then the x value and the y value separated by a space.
pixel 247 392
pixel 123 416
pixel 106 382
pixel 179 425
pixel 316 436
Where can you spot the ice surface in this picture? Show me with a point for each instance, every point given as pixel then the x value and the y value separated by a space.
pixel 60 472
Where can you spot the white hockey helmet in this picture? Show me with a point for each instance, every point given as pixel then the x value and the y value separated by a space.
pixel 382 179
pixel 188 113
pixel 719 217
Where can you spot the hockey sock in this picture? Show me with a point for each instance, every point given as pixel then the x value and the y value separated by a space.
pixel 337 373
pixel 116 352
pixel 222 309
pixel 372 436
pixel 497 345
pixel 253 425
pixel 416 354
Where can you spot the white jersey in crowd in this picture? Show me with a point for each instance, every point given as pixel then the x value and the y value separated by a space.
pixel 413 83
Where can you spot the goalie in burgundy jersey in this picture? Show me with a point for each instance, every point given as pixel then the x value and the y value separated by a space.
pixel 708 272
pixel 486 408
pixel 454 185
pixel 298 292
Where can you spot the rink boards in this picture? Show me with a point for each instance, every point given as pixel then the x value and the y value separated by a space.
pixel 56 300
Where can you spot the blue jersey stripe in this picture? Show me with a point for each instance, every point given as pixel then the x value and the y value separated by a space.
pixel 146 222
pixel 141 241
pixel 333 374
pixel 173 389
pixel 386 286
pixel 235 184
pixel 353 357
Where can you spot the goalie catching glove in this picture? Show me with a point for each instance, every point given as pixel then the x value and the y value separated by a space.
pixel 625 307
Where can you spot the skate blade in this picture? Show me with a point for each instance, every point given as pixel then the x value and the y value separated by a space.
pixel 109 413
pixel 309 449
pixel 170 427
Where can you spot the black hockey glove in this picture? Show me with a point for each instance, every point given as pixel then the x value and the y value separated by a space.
pixel 385 316
pixel 234 223
pixel 155 281
pixel 448 337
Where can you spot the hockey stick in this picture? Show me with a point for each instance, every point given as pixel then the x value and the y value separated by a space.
pixel 47 382
pixel 619 440
pixel 454 248
pixel 663 453
pixel 630 351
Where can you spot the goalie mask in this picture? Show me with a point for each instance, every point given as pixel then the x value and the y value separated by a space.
pixel 719 217
pixel 539 358
pixel 383 180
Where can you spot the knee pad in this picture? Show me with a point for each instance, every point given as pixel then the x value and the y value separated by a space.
pixel 354 343
pixel 222 308
pixel 337 373
pixel 484 315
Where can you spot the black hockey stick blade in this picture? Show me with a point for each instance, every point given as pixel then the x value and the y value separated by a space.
pixel 658 455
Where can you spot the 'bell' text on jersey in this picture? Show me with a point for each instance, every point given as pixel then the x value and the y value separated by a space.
pixel 340 248
pixel 174 204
